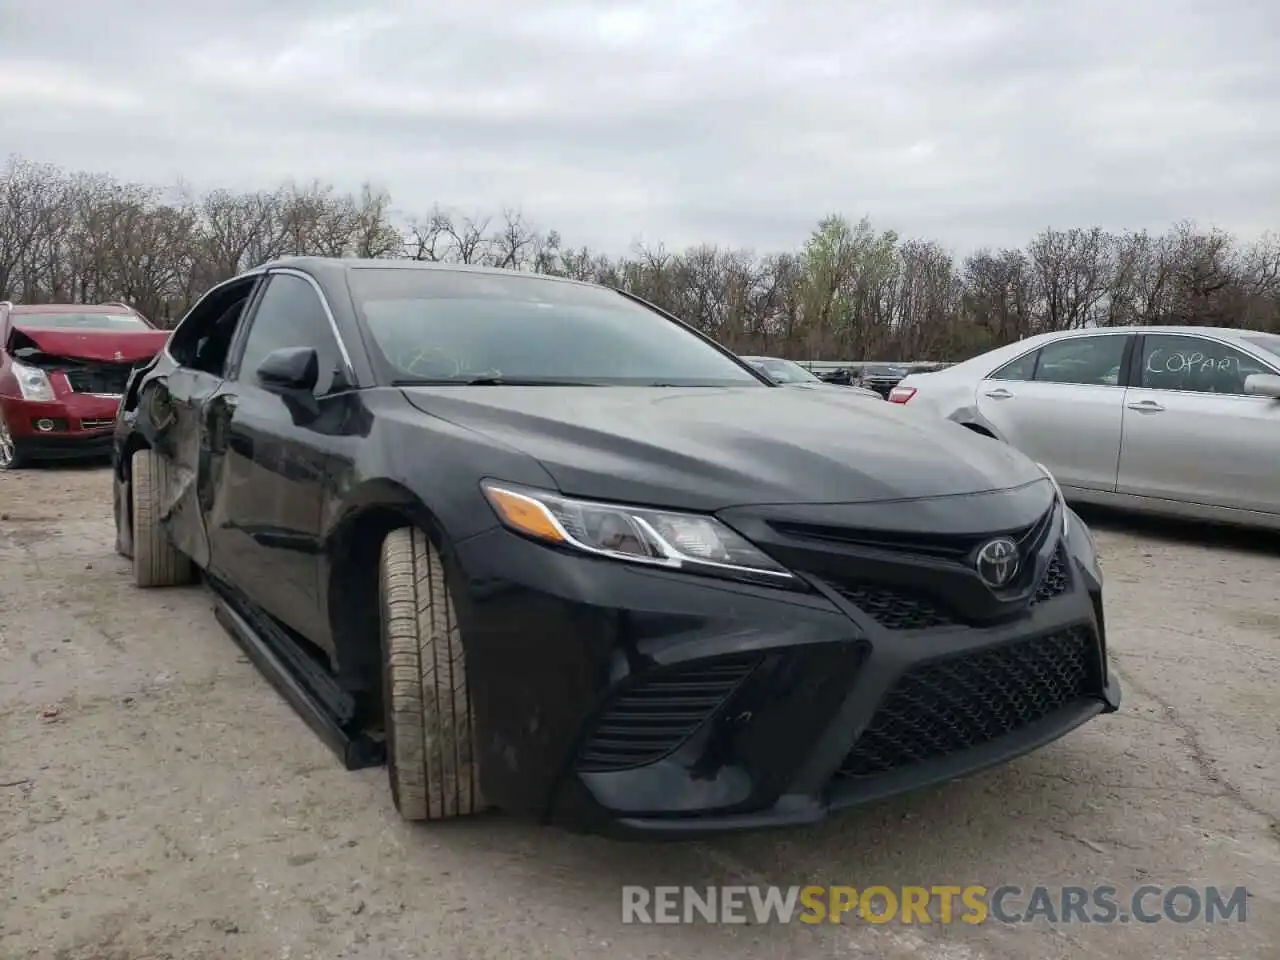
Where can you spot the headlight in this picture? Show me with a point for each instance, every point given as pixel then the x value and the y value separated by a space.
pixel 32 381
pixel 1066 522
pixel 676 541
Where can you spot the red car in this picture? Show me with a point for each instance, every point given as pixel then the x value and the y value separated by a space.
pixel 63 368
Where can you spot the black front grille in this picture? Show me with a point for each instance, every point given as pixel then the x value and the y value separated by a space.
pixel 651 717
pixel 946 706
pixel 955 547
pixel 893 608
pixel 1056 580
pixel 899 608
pixel 99 379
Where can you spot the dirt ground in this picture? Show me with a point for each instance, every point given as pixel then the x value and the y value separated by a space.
pixel 157 799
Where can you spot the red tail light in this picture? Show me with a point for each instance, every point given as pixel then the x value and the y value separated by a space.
pixel 901 394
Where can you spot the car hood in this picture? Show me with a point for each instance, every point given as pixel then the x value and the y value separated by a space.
pixel 119 346
pixel 832 390
pixel 710 448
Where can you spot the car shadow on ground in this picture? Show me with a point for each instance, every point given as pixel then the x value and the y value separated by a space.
pixel 1175 531
pixel 70 466
pixel 993 826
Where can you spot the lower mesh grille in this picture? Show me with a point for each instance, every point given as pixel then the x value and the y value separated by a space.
pixel 946 706
pixel 652 717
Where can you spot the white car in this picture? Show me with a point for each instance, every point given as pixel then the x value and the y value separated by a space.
pixel 1173 420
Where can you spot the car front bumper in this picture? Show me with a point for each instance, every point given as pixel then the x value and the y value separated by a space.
pixel 74 427
pixel 616 698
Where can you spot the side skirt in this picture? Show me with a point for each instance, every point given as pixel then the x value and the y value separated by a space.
pixel 312 692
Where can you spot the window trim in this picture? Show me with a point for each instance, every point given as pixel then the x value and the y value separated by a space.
pixel 1125 357
pixel 1136 366
pixel 991 375
pixel 251 316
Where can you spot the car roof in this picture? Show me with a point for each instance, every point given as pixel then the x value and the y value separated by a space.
pixel 18 309
pixel 1226 333
pixel 332 265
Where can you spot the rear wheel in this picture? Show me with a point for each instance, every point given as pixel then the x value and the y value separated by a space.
pixel 156 561
pixel 431 756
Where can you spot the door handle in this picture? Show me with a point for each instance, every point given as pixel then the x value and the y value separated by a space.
pixel 1145 406
pixel 1000 393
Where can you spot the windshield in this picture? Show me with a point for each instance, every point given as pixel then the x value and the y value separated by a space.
pixel 453 326
pixel 783 371
pixel 1269 342
pixel 78 321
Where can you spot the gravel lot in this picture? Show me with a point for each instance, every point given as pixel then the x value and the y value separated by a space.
pixel 157 799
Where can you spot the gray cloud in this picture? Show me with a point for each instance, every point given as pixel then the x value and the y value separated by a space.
pixel 677 120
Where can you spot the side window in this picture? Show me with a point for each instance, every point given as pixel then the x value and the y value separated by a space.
pixel 202 340
pixel 1194 364
pixel 289 314
pixel 1021 369
pixel 1094 361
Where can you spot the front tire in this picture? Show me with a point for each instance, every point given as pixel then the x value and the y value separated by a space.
pixel 430 729
pixel 11 458
pixel 156 561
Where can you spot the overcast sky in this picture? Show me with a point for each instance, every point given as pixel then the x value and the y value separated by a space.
pixel 677 120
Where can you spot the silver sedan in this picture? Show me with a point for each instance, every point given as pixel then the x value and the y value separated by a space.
pixel 1173 420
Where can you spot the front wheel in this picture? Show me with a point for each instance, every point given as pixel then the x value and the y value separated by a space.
pixel 11 457
pixel 430 730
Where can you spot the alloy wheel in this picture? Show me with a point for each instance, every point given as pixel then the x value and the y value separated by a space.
pixel 7 452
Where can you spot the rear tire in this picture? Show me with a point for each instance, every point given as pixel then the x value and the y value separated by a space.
pixel 430 728
pixel 156 561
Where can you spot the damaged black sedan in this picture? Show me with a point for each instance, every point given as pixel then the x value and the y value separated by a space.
pixel 541 546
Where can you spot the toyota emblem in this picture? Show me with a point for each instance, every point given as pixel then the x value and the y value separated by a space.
pixel 997 562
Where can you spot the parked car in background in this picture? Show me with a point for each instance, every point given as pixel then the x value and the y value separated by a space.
pixel 1173 420
pixel 788 373
pixel 63 368
pixel 882 377
pixel 567 556
pixel 841 376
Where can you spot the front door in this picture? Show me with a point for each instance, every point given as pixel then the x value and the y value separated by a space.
pixel 267 528
pixel 1192 434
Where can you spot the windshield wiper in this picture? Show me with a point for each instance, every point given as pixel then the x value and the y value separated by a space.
pixel 489 381
pixel 524 382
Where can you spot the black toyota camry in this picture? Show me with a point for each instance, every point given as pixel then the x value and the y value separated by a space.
pixel 540 546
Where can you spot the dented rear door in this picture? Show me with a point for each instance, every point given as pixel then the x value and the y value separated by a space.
pixel 176 408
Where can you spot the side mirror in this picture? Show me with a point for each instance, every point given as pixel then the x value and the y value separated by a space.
pixel 291 370
pixel 1263 385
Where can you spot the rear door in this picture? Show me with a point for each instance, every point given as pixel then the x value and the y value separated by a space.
pixel 1192 434
pixel 176 405
pixel 1062 405
pixel 182 396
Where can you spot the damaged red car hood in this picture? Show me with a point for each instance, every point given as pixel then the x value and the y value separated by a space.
pixel 120 346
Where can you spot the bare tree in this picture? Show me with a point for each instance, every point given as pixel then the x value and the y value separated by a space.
pixel 853 292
